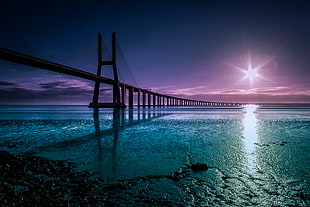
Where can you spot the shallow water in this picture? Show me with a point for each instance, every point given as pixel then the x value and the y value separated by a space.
pixel 258 155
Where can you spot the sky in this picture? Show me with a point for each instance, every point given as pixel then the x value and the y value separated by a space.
pixel 232 51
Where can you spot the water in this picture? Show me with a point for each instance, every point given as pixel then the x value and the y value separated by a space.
pixel 258 155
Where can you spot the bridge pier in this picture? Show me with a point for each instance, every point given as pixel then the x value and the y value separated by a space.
pixel 143 99
pixel 138 98
pixel 154 100
pixel 149 99
pixel 117 100
pixel 130 98
pixel 123 95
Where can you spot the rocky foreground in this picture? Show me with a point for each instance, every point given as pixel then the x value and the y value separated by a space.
pixel 35 181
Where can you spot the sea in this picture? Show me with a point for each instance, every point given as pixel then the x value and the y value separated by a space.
pixel 257 155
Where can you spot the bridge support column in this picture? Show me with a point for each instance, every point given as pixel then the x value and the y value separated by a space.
pixel 143 98
pixel 123 89
pixel 117 102
pixel 97 84
pixel 138 97
pixel 130 98
pixel 154 100
pixel 149 99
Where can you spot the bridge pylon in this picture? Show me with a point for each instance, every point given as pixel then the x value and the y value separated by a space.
pixel 116 88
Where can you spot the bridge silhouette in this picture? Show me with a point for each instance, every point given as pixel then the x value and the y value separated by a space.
pixel 120 89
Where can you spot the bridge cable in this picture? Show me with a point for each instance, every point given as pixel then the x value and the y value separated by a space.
pixel 12 40
pixel 124 66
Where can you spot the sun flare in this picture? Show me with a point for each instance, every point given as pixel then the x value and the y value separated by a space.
pixel 251 73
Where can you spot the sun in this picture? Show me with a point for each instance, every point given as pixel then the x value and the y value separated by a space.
pixel 250 73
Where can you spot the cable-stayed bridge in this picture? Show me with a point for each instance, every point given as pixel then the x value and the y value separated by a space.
pixel 121 90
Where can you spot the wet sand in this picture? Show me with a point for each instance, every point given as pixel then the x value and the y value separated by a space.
pixel 28 180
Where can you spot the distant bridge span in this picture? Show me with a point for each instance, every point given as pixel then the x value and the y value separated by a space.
pixel 149 98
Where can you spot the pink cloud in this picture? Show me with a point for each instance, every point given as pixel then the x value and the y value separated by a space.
pixel 260 94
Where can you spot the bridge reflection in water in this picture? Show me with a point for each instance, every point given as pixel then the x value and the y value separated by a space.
pixel 122 119
pixel 105 136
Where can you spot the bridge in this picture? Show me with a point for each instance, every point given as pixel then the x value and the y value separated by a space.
pixel 121 91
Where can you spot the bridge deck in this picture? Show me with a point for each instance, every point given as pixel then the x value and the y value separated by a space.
pixel 20 58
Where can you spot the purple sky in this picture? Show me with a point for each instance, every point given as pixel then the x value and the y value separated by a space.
pixel 192 49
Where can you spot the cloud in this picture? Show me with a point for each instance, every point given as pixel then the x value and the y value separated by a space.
pixel 261 94
pixel 65 83
pixel 70 91
pixel 273 91
pixel 51 92
pixel 8 83
pixel 54 85
pixel 186 91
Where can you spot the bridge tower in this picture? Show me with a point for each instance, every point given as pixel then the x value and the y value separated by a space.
pixel 116 89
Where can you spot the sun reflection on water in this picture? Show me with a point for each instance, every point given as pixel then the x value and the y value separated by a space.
pixel 250 135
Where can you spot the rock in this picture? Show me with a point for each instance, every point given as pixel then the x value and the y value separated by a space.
pixel 30 153
pixel 199 167
pixel 11 145
pixel 176 176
